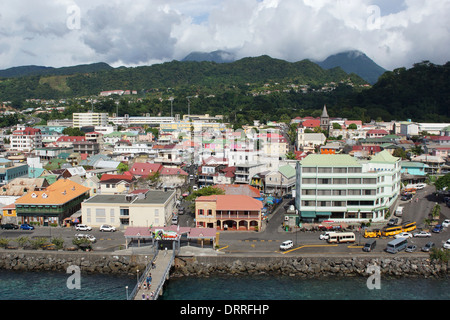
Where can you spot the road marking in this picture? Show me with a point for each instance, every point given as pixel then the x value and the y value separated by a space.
pixel 310 246
pixel 222 248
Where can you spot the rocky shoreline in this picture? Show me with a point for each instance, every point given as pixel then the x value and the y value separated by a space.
pixel 205 266
pixel 309 266
pixel 91 262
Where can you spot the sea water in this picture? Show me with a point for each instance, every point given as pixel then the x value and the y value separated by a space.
pixel 53 286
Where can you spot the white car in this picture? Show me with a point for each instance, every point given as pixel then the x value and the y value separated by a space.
pixel 420 186
pixel 422 234
pixel 85 236
pixel 447 244
pixel 107 228
pixel 83 227
pixel 403 235
pixel 446 223
pixel 286 245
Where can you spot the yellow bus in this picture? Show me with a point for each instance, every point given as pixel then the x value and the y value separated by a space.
pixel 341 237
pixel 391 231
pixel 409 226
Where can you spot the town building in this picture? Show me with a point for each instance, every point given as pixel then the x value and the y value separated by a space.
pixel 52 205
pixel 25 139
pixel 342 188
pixel 89 119
pixel 146 209
pixel 228 212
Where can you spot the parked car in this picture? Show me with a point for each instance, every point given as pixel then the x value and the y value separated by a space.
pixel 10 226
pixel 90 237
pixel 422 234
pixel 107 228
pixel 83 227
pixel 392 221
pixel 26 226
pixel 438 228
pixel 428 247
pixel 175 220
pixel 406 197
pixel 411 248
pixel 446 223
pixel 403 235
pixel 420 186
pixel 446 245
pixel 181 210
pixel 286 245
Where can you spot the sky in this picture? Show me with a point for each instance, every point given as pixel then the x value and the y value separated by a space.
pixel 56 33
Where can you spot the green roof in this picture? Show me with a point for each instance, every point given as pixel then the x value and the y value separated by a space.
pixel 384 157
pixel 330 160
pixel 287 171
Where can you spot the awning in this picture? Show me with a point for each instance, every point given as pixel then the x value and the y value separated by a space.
pixel 308 214
pixel 323 214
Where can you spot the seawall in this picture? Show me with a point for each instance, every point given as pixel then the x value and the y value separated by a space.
pixel 89 262
pixel 308 266
pixel 205 266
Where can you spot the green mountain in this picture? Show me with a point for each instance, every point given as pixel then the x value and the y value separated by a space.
pixel 23 71
pixel 173 74
pixel 354 62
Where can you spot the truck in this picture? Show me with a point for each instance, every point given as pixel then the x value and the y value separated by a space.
pixel 399 211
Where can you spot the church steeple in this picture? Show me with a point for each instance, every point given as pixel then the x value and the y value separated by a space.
pixel 325 119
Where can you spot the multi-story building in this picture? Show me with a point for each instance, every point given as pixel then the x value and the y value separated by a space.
pixel 146 209
pixel 342 188
pixel 89 119
pixel 25 139
pixel 228 212
pixel 53 204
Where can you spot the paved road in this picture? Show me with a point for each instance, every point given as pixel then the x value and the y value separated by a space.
pixel 266 241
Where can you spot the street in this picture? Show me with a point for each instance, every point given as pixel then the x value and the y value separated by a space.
pixel 269 239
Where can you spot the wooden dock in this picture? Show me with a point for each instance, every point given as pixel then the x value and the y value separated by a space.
pixel 160 273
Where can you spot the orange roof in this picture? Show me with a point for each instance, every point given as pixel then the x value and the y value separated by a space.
pixel 233 202
pixel 59 192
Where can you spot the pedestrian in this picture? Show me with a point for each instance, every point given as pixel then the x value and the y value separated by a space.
pixel 148 297
pixel 143 296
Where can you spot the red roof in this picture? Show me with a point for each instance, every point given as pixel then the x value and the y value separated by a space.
pixel 233 202
pixel 125 176
pixel 145 169
pixel 377 131
pixel 172 171
pixel 311 123
pixel 27 131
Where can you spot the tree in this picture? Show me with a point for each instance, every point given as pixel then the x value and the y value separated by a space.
pixel 400 153
pixel 122 167
pixel 443 183
pixel 352 126
pixel 73 132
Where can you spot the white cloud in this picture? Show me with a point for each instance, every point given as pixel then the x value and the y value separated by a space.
pixel 119 32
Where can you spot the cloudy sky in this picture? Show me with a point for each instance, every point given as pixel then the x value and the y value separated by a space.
pixel 57 33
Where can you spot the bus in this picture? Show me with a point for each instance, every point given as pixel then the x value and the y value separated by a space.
pixel 341 237
pixel 391 231
pixel 397 245
pixel 408 226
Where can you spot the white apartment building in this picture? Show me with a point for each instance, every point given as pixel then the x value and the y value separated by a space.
pixel 90 119
pixel 25 139
pixel 342 188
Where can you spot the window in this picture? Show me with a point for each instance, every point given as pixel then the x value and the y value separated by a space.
pixel 324 192
pixel 369 181
pixel 325 170
pixel 340 170
pixel 124 211
pixel 200 212
pixel 354 181
pixel 209 212
pixel 340 181
pixel 308 181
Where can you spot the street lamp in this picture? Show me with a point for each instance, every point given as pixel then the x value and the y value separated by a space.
pixel 126 290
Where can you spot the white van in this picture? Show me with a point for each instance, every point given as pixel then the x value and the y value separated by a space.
pixel 399 211
pixel 341 237
pixel 175 220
